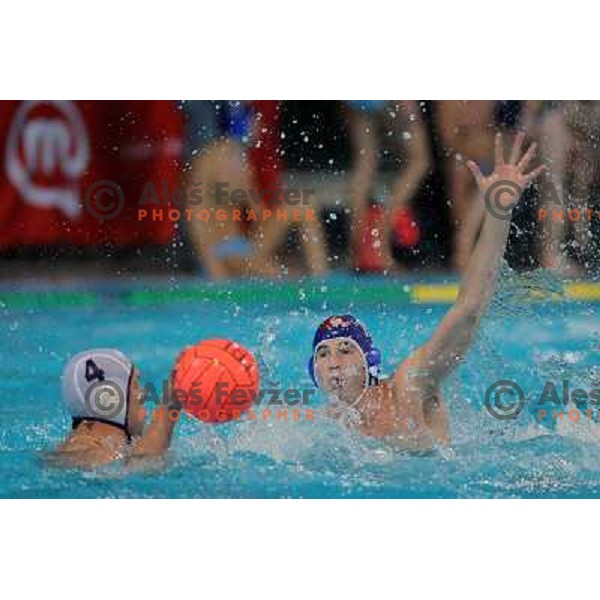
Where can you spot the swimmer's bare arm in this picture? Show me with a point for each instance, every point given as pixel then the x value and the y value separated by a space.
pixel 157 436
pixel 450 341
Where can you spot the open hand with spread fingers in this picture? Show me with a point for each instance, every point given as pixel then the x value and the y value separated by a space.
pixel 509 178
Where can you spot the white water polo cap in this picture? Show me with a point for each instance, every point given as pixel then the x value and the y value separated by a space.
pixel 95 386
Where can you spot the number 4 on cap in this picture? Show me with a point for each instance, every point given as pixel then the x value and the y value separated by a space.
pixel 93 371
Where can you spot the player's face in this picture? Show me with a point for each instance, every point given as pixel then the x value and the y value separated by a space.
pixel 135 413
pixel 340 367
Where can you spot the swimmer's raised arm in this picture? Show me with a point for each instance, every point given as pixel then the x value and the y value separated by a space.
pixel 450 341
pixel 156 438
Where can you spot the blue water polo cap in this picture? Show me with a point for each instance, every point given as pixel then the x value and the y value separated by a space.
pixel 347 326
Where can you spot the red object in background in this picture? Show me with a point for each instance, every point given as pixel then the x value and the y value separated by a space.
pixel 264 153
pixel 220 378
pixel 55 151
pixel 405 228
pixel 369 254
pixel 405 231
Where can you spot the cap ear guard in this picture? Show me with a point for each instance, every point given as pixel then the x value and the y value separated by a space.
pixel 373 357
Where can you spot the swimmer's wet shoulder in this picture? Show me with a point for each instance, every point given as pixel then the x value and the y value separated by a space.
pixel 402 417
pixel 90 445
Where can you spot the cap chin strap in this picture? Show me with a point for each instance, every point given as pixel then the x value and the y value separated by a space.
pixel 77 421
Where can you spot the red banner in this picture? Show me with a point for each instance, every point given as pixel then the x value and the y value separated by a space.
pixel 73 172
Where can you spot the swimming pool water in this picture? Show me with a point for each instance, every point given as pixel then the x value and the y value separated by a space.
pixel 526 342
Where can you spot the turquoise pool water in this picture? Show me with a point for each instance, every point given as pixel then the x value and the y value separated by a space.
pixel 526 342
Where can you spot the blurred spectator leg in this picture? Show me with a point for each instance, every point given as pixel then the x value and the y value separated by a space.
pixel 364 166
pixel 221 244
pixel 554 140
pixel 313 242
pixel 466 216
pixel 410 178
pixel 467 130
pixel 583 176
pixel 201 129
pixel 269 236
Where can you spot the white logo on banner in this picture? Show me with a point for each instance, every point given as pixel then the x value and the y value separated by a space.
pixel 48 146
